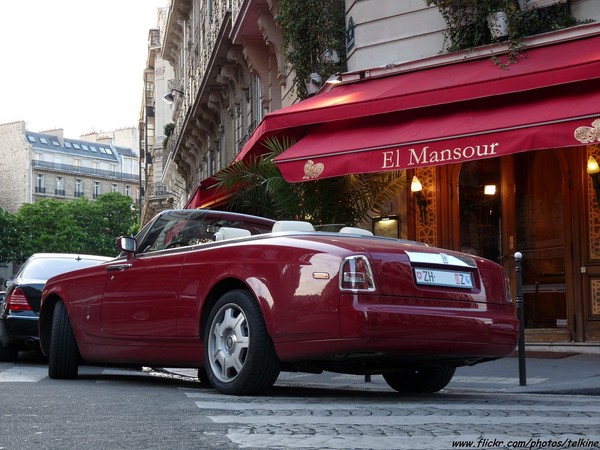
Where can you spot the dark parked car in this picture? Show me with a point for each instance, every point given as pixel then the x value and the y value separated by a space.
pixel 20 308
pixel 242 298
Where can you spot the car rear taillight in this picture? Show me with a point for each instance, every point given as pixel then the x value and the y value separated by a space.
pixel 356 274
pixel 16 301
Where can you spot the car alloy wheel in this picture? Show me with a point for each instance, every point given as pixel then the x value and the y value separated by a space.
pixel 239 355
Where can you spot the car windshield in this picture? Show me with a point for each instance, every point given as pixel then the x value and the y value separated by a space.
pixel 176 228
pixel 45 268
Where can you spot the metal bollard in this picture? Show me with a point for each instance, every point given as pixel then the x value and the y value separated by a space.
pixel 521 317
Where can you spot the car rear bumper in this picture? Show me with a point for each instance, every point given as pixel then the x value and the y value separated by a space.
pixel 404 329
pixel 19 331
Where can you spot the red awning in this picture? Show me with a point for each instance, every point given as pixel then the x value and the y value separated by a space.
pixel 207 195
pixel 555 65
pixel 444 114
pixel 441 135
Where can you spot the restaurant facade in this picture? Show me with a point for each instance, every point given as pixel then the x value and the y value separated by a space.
pixel 499 157
pixel 497 161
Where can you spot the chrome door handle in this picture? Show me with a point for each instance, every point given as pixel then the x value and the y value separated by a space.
pixel 119 266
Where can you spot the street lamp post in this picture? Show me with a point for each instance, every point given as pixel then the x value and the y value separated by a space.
pixel 521 316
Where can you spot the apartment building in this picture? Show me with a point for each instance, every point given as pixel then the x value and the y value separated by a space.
pixel 36 165
pixel 162 185
pixel 220 66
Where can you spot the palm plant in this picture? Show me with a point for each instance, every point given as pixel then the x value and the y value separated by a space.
pixel 257 187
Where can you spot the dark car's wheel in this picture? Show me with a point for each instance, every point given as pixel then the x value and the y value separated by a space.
pixel 239 354
pixel 8 354
pixel 203 377
pixel 423 381
pixel 63 356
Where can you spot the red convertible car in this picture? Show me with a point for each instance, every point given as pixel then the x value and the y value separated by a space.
pixel 242 298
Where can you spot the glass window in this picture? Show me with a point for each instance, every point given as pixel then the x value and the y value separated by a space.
pixel 85 147
pixel 77 146
pixel 55 142
pixel 94 149
pixel 31 138
pixel 68 144
pixel 43 140
pixel 480 212
pixel 114 188
pixel 45 268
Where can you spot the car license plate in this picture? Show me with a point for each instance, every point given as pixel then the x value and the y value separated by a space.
pixel 448 278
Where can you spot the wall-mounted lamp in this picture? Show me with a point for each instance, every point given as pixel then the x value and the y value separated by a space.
pixel 336 78
pixel 594 172
pixel 417 188
pixel 489 189
pixel 169 96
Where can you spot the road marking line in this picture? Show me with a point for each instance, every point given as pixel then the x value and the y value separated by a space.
pixel 23 374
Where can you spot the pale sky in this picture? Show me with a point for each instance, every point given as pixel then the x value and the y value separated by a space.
pixel 74 64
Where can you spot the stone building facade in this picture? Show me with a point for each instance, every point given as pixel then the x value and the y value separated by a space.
pixel 48 165
pixel 227 73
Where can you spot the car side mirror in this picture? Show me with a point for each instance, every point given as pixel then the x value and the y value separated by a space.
pixel 127 244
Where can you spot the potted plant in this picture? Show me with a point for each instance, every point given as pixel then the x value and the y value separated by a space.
pixel 474 23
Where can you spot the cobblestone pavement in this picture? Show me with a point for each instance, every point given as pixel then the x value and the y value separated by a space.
pixel 375 419
pixel 483 407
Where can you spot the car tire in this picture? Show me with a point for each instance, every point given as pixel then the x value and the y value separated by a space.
pixel 239 355
pixel 425 381
pixel 9 354
pixel 63 356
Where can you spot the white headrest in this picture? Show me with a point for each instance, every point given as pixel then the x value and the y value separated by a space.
pixel 354 230
pixel 292 225
pixel 230 233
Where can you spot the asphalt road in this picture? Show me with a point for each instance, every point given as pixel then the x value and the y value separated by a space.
pixel 483 407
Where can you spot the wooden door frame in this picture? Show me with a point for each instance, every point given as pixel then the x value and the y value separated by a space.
pixel 449 230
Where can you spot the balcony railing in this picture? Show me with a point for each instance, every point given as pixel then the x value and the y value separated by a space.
pixel 40 190
pixel 67 168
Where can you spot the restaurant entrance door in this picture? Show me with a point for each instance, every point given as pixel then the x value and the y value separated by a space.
pixel 516 203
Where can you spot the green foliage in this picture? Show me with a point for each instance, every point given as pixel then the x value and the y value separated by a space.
pixel 10 237
pixel 468 25
pixel 310 27
pixel 78 226
pixel 257 187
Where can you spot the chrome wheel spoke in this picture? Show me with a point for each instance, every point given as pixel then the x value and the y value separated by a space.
pixel 229 342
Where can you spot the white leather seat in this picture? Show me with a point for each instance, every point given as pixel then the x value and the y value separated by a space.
pixel 354 230
pixel 292 225
pixel 230 233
